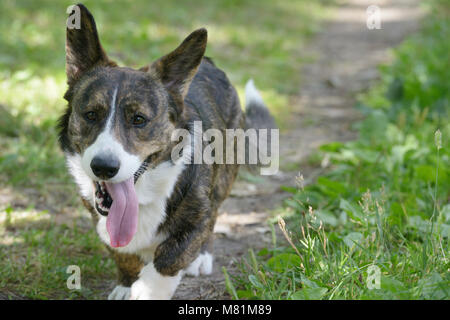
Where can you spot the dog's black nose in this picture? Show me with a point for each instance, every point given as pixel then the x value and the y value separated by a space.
pixel 105 167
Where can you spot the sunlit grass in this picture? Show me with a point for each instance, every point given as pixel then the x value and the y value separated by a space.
pixel 36 248
pixel 383 203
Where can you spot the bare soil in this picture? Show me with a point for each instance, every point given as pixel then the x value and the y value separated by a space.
pixel 346 55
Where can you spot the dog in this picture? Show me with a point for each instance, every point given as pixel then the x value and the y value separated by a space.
pixel 156 215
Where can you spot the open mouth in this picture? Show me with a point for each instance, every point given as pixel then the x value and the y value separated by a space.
pixel 119 203
pixel 103 200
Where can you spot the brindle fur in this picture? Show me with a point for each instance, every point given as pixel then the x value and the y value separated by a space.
pixel 173 92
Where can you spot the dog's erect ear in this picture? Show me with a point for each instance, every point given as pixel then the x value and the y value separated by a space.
pixel 177 69
pixel 83 48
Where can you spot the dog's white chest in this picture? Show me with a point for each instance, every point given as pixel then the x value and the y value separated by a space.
pixel 153 189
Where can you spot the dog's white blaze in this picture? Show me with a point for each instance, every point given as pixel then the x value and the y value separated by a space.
pixel 106 143
pixel 113 110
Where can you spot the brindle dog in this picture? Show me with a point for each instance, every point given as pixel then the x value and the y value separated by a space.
pixel 156 215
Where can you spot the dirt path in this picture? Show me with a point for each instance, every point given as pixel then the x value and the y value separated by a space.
pixel 346 55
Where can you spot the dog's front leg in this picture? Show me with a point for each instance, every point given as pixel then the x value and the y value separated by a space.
pixel 129 267
pixel 160 278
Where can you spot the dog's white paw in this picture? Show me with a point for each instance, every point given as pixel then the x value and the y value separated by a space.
pixel 152 285
pixel 140 291
pixel 120 293
pixel 200 266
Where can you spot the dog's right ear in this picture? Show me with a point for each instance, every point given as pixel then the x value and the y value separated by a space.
pixel 177 68
pixel 83 48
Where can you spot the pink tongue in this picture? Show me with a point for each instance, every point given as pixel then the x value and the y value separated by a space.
pixel 123 214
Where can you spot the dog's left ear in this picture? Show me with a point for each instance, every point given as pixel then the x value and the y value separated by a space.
pixel 83 48
pixel 177 69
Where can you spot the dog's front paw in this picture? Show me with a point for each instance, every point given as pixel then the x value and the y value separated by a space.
pixel 120 293
pixel 140 291
pixel 152 285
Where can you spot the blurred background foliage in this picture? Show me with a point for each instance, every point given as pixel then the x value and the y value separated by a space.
pixel 258 39
pixel 384 202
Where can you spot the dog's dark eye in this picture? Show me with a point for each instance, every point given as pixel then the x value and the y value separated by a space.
pixel 91 116
pixel 139 120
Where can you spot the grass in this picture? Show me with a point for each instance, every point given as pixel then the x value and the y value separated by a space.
pixel 37 249
pixel 42 228
pixel 377 224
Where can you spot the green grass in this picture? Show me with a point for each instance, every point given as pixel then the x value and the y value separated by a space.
pixel 383 205
pixel 38 247
pixel 258 39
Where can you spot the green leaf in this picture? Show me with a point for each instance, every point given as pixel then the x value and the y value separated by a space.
pixel 420 224
pixel 331 147
pixel 327 217
pixel 255 282
pixel 352 211
pixel 289 189
pixel 352 238
pixel 394 287
pixel 395 214
pixel 434 287
pixel 331 187
pixel 284 261
pixel 446 212
pixel 263 252
pixel 309 294
pixel 425 173
pixel 306 283
pixel 245 294
pixel 368 156
pixel 391 284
